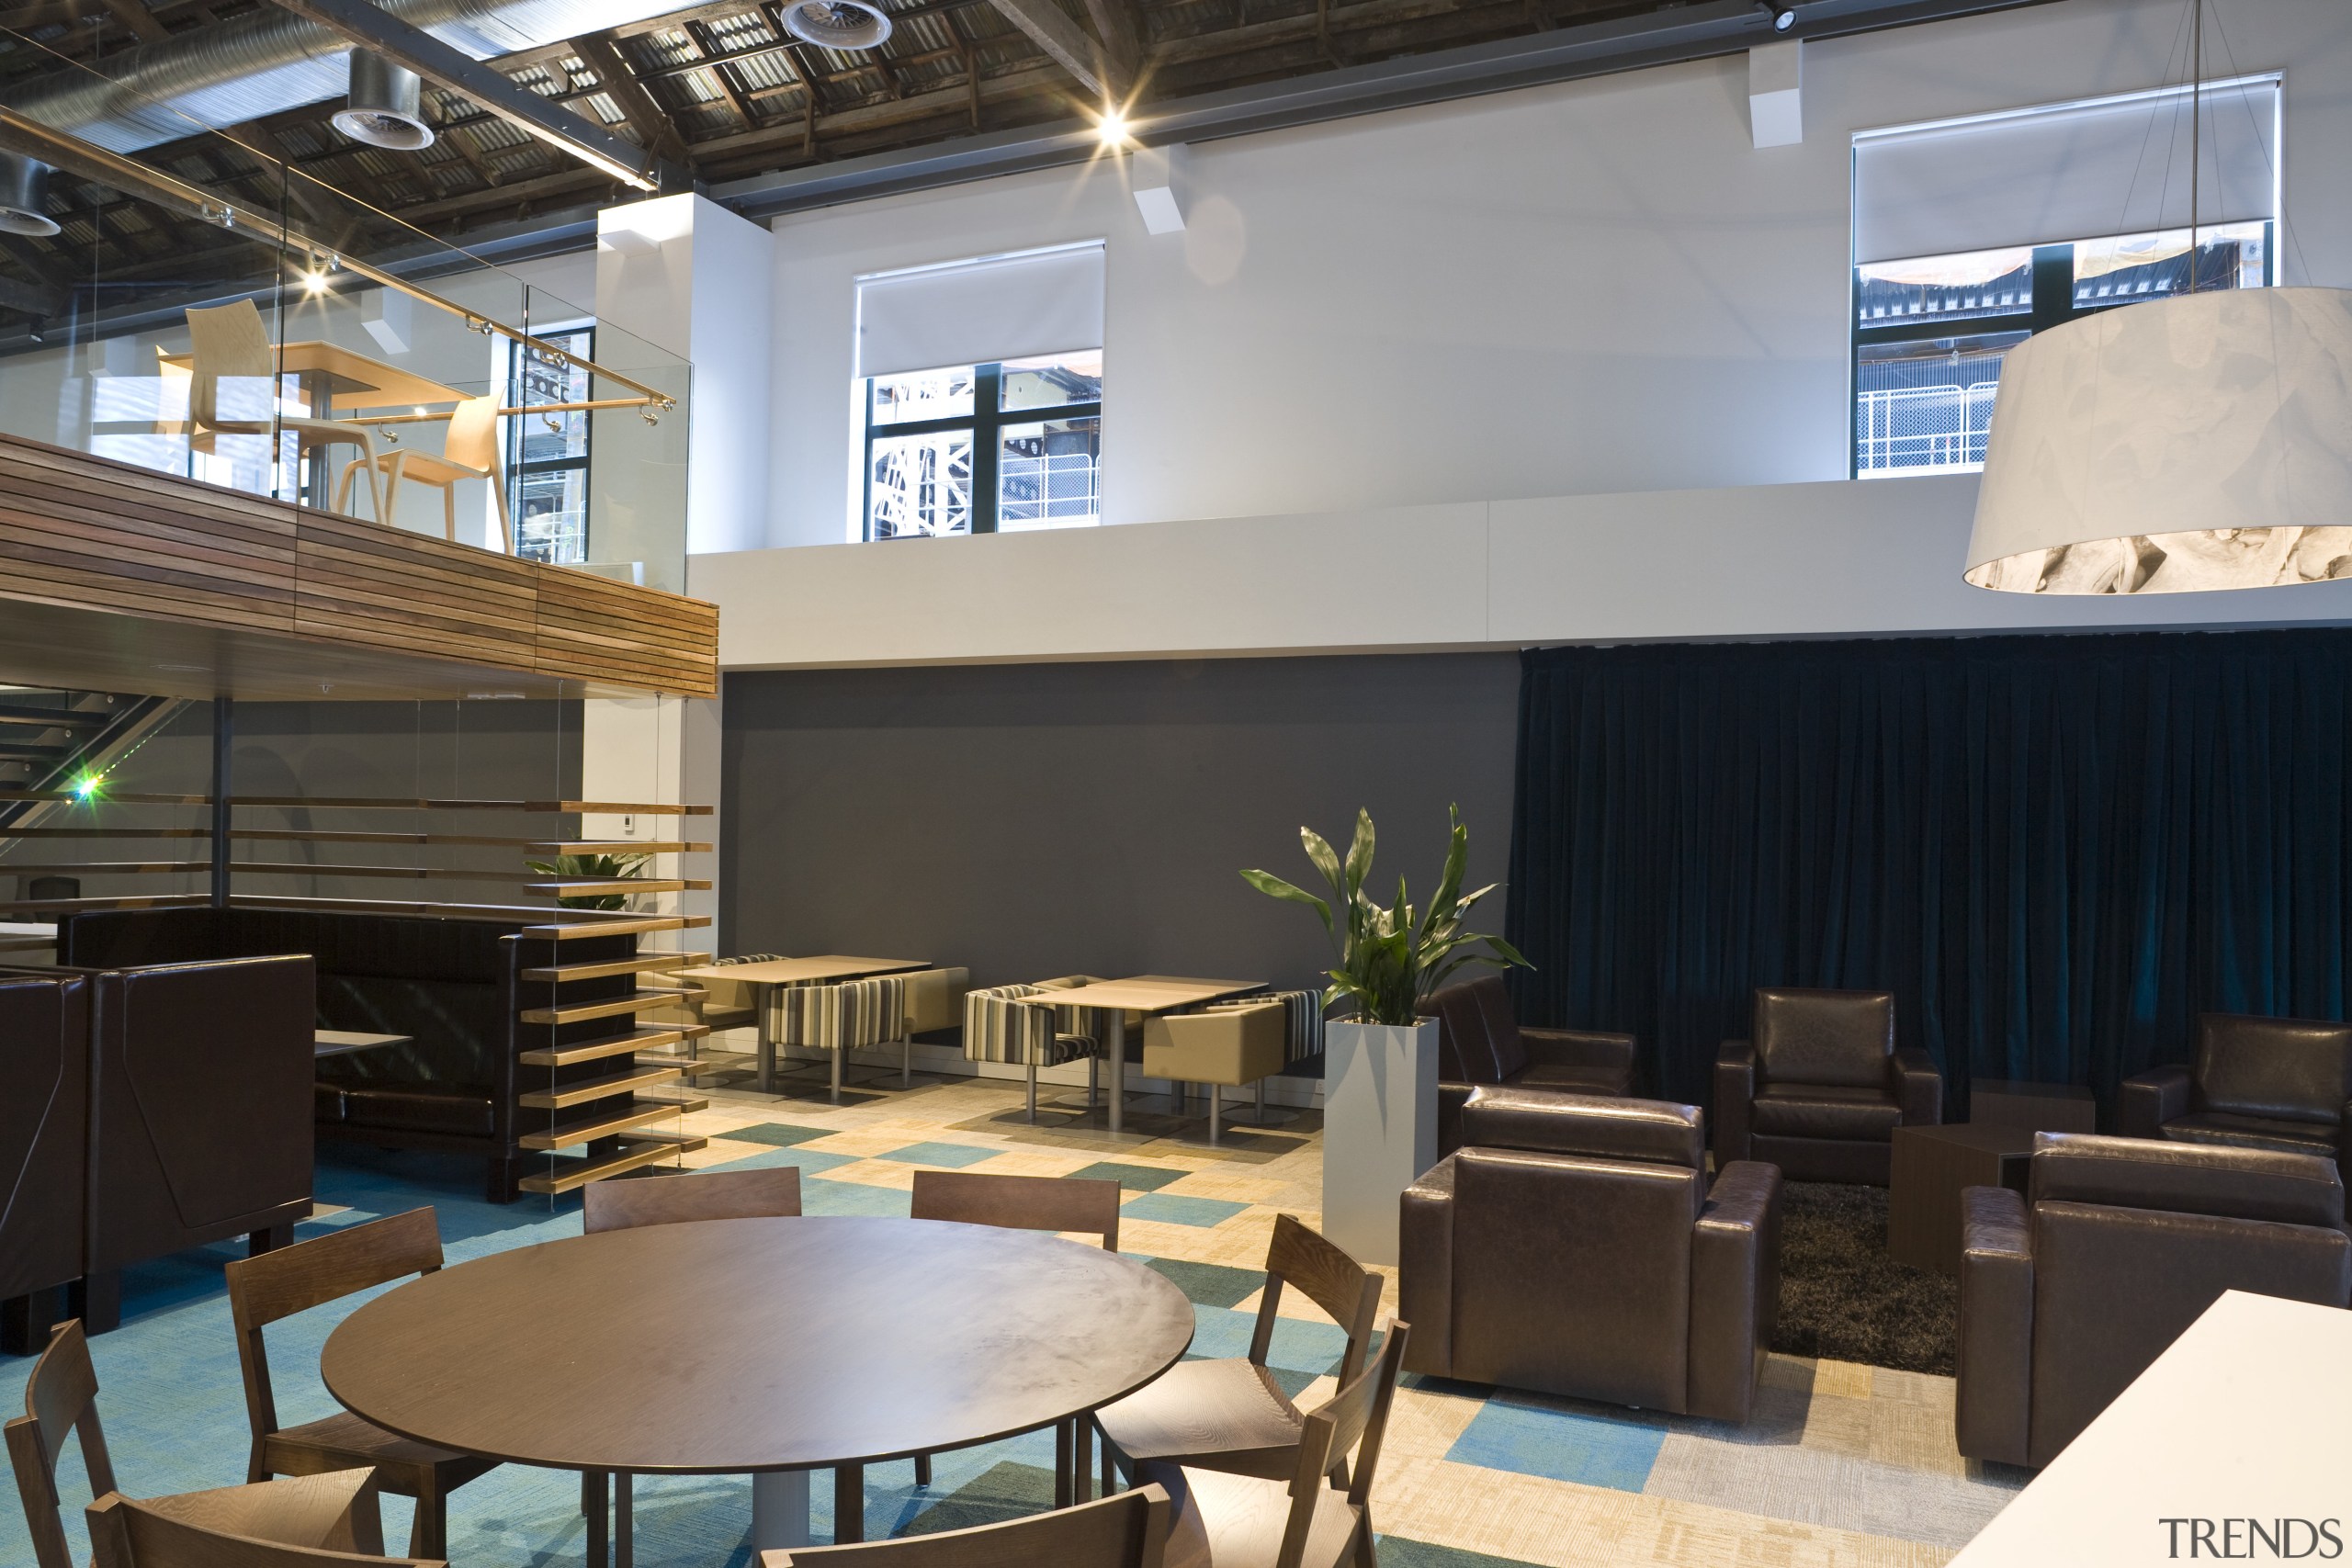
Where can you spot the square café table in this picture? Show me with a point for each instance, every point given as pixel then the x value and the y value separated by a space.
pixel 1146 994
pixel 774 972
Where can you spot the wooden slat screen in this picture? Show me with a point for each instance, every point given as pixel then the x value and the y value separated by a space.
pixel 96 533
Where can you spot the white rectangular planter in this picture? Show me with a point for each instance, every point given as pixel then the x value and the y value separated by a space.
pixel 1379 1128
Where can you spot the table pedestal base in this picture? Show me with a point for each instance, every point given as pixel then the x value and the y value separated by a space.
pixel 779 1509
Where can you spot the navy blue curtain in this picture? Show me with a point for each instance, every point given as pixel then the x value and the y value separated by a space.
pixel 2056 850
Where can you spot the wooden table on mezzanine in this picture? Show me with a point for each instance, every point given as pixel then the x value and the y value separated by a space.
pixel 791 1346
pixel 1143 994
pixel 776 972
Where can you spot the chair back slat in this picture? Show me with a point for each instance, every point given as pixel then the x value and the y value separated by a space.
pixel 1300 1259
pixel 128 1534
pixel 226 340
pixel 1356 1417
pixel 1126 1530
pixel 294 1279
pixel 61 1396
pixel 472 440
pixel 772 1193
pixel 1019 1202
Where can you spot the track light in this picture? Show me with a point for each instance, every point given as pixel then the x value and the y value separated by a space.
pixel 1111 127
pixel 1783 16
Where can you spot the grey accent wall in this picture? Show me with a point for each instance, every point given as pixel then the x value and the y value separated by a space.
pixel 1038 820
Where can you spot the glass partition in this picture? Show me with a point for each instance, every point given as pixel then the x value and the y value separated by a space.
pixel 199 305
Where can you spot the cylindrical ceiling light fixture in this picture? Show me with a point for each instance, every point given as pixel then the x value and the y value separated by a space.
pixel 386 107
pixel 23 198
pixel 2195 442
pixel 837 23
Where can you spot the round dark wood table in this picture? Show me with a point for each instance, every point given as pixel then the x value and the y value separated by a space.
pixel 762 1346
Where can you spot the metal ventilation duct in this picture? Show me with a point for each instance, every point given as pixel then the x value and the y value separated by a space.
pixel 385 107
pixel 269 59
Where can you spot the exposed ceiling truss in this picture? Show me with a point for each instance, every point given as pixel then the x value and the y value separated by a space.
pixel 725 96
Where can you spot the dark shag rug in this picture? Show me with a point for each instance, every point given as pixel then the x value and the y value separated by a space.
pixel 1841 1295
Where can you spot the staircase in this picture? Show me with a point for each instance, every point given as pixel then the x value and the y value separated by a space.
pixel 51 740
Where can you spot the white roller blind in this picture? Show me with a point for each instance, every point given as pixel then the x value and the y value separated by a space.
pixel 975 312
pixel 2072 172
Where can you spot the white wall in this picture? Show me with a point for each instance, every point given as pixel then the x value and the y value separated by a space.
pixel 1829 559
pixel 1595 287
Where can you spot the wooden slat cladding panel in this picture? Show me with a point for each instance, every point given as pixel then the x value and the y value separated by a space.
pixel 589 623
pixel 81 530
pixel 100 535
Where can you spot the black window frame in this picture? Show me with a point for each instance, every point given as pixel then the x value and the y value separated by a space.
pixel 987 422
pixel 518 467
pixel 2051 304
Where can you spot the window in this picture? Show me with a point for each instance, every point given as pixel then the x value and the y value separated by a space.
pixel 987 449
pixel 1923 393
pixel 547 453
pixel 1970 236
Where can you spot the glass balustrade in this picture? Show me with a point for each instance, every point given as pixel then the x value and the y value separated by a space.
pixel 190 300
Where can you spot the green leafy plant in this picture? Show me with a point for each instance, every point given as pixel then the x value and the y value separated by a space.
pixel 604 868
pixel 1391 956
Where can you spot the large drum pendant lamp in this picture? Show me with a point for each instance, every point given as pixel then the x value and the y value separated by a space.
pixel 2200 442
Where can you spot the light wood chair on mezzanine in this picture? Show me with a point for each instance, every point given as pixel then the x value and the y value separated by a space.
pixel 1248 1521
pixel 155 1534
pixel 626 1202
pixel 1127 1532
pixel 1232 1414
pixel 469 451
pixel 1024 1203
pixel 61 1396
pixel 310 1273
pixel 231 341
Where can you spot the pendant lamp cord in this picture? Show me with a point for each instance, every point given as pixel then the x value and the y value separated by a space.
pixel 2196 132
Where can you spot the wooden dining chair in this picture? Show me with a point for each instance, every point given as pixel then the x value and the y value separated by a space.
pixel 469 451
pixel 1129 1530
pixel 156 1533
pixel 1024 1203
pixel 62 1397
pixel 625 1203
pixel 1232 1414
pixel 232 340
pixel 1246 1522
pixel 675 1198
pixel 294 1279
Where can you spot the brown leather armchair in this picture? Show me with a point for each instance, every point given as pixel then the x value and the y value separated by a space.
pixel 1820 1087
pixel 2258 1083
pixel 2067 1294
pixel 1480 1040
pixel 1573 1247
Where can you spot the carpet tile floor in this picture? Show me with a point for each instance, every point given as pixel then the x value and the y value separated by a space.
pixel 1845 1465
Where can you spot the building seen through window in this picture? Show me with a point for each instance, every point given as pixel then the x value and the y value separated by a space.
pixel 1930 334
pixel 985 448
pixel 546 453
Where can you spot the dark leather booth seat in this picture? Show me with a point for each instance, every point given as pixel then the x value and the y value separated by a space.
pixel 452 985
pixel 192 1082
pixel 1819 1088
pixel 2067 1294
pixel 1480 1040
pixel 44 1127
pixel 2283 1084
pixel 1573 1247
